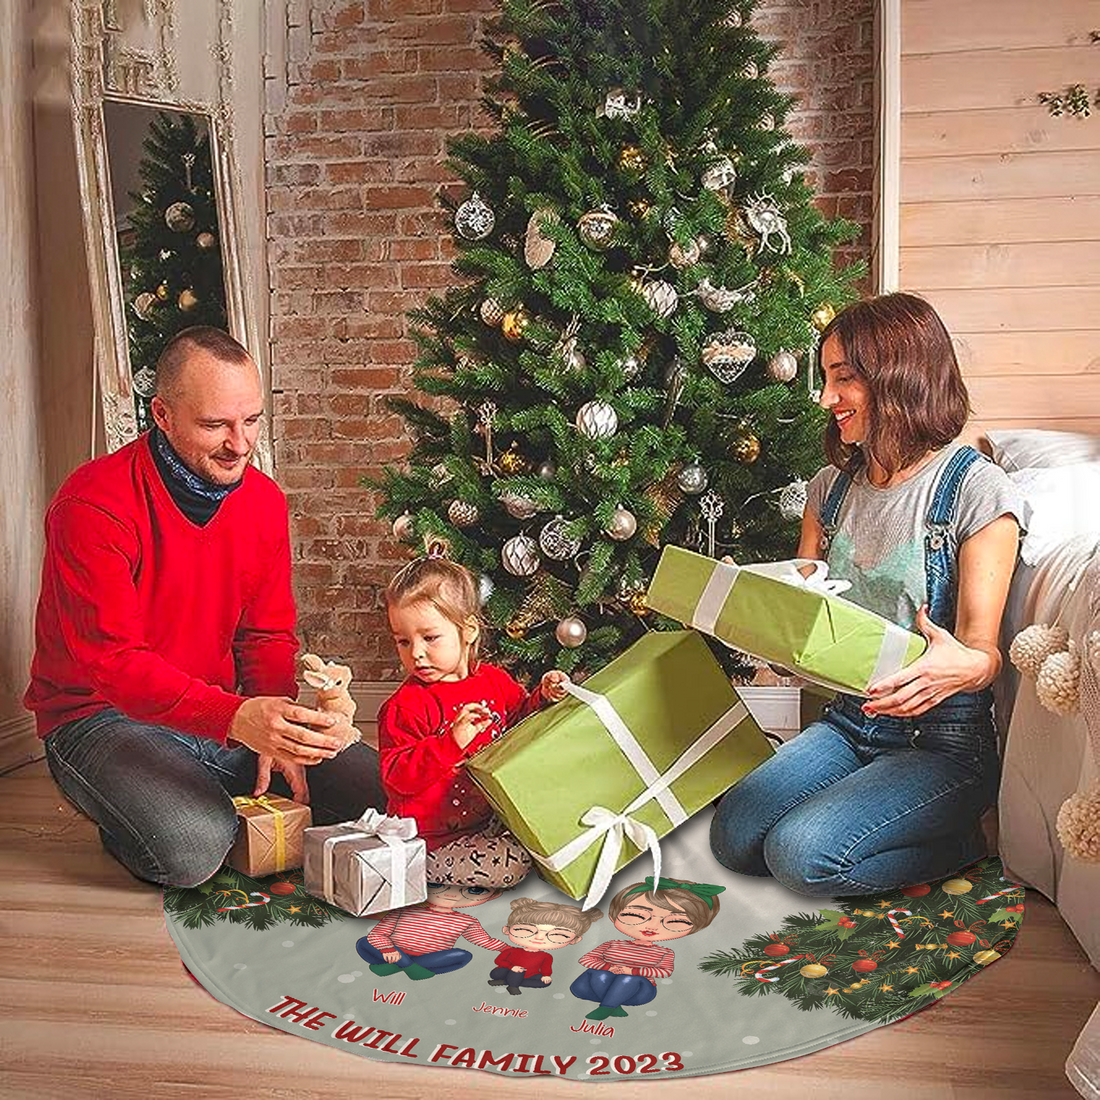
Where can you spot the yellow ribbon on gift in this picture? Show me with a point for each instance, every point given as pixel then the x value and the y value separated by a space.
pixel 243 801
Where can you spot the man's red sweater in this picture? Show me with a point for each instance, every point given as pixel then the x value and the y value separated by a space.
pixel 142 610
pixel 422 766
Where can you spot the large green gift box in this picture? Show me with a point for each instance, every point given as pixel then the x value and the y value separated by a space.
pixel 774 613
pixel 588 783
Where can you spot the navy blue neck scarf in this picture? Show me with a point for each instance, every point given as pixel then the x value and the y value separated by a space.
pixel 197 498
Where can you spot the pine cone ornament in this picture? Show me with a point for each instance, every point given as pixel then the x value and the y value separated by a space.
pixel 1034 644
pixel 1078 825
pixel 1058 684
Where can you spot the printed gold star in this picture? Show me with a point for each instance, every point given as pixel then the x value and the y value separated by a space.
pixel 295 909
pixel 884 904
pixel 952 954
pixel 912 970
pixel 887 987
pixel 947 913
pixel 892 943
pixel 830 991
pixel 1006 924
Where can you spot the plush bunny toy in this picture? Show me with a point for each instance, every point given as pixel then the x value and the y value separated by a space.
pixel 332 682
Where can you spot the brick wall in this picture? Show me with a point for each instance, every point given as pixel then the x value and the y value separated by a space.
pixel 354 142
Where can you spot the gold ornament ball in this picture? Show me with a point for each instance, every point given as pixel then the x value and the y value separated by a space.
pixel 516 631
pixel 822 316
pixel 957 886
pixel 640 208
pixel 206 241
pixel 631 159
pixel 746 448
pixel 162 292
pixel 187 300
pixel 813 970
pixel 514 324
pixel 512 461
pixel 638 604
pixel 984 958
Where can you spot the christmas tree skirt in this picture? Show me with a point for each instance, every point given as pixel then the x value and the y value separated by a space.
pixel 771 975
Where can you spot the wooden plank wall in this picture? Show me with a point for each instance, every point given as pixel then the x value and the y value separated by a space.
pixel 1000 202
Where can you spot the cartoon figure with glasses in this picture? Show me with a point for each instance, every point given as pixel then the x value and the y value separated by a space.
pixel 624 972
pixel 420 939
pixel 537 928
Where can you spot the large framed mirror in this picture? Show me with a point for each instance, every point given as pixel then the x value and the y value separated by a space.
pixel 160 194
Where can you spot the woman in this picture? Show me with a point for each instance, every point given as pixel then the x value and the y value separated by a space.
pixel 888 791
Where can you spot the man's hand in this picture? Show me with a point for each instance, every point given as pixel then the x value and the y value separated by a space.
pixel 472 719
pixel 295 776
pixel 553 684
pixel 282 729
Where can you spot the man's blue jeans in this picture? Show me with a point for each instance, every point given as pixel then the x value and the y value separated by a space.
pixel 163 799
pixel 861 805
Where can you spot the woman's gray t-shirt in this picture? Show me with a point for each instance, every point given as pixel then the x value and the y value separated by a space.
pixel 879 540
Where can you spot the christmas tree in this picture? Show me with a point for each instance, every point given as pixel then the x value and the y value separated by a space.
pixel 628 360
pixel 883 957
pixel 258 903
pixel 169 250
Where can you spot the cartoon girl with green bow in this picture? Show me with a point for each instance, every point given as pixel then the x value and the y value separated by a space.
pixel 624 972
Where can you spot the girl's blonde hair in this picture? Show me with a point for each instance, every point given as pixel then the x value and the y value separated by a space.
pixel 530 911
pixel 449 587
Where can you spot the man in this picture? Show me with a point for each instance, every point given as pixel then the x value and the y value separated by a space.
pixel 163 676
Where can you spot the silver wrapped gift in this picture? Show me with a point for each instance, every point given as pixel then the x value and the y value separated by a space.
pixel 367 866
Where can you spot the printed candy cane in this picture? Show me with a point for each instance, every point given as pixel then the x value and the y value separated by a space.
pixel 248 904
pixel 759 975
pixel 998 894
pixel 897 927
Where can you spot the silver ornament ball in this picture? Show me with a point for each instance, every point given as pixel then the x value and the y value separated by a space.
pixel 557 542
pixel 692 479
pixel 474 219
pixel 180 217
pixel 546 471
pixel 403 527
pixel 792 500
pixel 145 382
pixel 518 506
pixel 571 632
pixel 623 524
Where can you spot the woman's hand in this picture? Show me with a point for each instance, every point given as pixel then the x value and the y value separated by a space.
pixel 553 684
pixel 472 719
pixel 946 667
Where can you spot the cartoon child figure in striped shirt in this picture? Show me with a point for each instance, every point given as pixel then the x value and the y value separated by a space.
pixel 624 972
pixel 420 939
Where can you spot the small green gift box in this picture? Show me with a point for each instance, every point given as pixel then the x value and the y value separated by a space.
pixel 589 783
pixel 776 614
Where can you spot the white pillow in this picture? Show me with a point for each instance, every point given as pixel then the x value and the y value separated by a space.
pixel 1061 502
pixel 1020 448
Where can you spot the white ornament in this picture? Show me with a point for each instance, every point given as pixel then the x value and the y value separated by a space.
pixel 692 479
pixel 620 104
pixel 684 255
pixel 538 249
pixel 145 382
pixel 492 312
pixel 727 354
pixel 721 299
pixel 762 213
pixel 623 524
pixel 144 304
pixel 485 588
pixel 597 228
pixel 720 177
pixel 782 366
pixel 792 500
pixel 520 556
pixel 661 297
pixel 462 514
pixel 547 471
pixel 571 632
pixel 597 420
pixel 403 527
pixel 1034 644
pixel 556 541
pixel 474 219
pixel 518 506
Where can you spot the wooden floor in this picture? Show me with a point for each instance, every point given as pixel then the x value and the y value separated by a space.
pixel 96 1004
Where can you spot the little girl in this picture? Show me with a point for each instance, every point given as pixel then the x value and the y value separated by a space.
pixel 450 706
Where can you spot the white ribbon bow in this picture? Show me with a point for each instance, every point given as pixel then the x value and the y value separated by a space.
pixel 790 572
pixel 613 826
pixel 392 831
